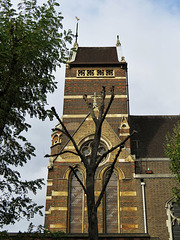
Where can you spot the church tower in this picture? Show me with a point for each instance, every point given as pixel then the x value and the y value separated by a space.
pixel 87 71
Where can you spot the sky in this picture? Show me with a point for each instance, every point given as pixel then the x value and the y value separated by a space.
pixel 149 32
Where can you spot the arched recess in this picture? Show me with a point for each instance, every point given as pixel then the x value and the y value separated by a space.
pixel 76 203
pixel 120 174
pixel 80 168
pixel 111 203
pixel 173 222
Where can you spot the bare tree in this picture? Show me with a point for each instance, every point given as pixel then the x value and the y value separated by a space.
pixel 91 164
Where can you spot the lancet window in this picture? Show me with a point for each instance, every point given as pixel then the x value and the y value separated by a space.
pixel 111 204
pixel 76 204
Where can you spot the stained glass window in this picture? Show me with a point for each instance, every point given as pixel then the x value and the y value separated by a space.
pixel 76 204
pixel 111 205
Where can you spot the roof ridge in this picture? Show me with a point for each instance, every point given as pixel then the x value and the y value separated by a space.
pixel 99 47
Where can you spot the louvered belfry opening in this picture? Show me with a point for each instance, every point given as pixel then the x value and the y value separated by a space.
pixel 76 204
pixel 111 205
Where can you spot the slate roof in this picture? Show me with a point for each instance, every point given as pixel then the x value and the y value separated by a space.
pixel 96 55
pixel 150 139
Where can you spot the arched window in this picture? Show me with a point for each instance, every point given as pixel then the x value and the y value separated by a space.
pixel 111 205
pixel 76 204
pixel 55 140
pixel 173 223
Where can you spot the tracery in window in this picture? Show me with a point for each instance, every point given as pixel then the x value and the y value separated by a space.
pixel 90 73
pixel 81 73
pixel 95 73
pixel 109 72
pixel 100 72
pixel 86 149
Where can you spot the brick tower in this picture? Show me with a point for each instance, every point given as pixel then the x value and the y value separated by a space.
pixel 87 71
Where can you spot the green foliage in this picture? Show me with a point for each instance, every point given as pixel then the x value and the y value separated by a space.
pixel 32 45
pixel 39 233
pixel 173 152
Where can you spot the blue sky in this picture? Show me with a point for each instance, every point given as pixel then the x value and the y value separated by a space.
pixel 150 36
pixel 170 6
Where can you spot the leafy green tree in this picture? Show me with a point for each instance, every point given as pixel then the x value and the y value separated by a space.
pixel 32 45
pixel 173 152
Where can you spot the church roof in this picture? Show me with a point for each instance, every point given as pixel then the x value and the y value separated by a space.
pixel 150 140
pixel 96 55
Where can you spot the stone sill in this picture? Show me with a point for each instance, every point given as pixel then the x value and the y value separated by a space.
pixel 152 175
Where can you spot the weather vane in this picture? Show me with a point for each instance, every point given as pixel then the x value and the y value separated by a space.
pixel 77 18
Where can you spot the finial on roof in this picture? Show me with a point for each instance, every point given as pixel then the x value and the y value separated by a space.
pixel 119 50
pixel 118 42
pixel 123 59
pixel 76 36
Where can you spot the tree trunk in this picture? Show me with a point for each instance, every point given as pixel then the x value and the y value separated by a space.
pixel 92 210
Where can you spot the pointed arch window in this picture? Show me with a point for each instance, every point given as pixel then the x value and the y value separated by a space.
pixel 76 204
pixel 111 205
pixel 173 223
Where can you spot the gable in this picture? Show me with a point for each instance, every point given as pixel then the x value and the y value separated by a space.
pixel 86 133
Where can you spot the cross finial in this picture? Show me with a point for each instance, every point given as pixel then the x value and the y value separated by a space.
pixel 95 100
pixel 95 96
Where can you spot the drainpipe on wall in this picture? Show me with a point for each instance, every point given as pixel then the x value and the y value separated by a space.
pixel 144 205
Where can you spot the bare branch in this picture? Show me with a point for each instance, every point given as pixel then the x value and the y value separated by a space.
pixel 75 131
pixel 109 105
pixel 101 108
pixel 85 98
pixel 113 148
pixel 109 176
pixel 61 153
pixel 70 137
pixel 103 92
pixel 47 156
pixel 90 106
pixel 79 180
